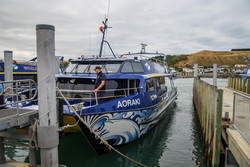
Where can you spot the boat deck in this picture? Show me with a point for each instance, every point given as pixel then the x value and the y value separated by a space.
pixel 9 117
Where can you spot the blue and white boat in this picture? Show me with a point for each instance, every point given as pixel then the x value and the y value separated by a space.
pixel 20 71
pixel 138 94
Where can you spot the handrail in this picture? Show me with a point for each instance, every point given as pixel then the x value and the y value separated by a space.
pixel 87 91
pixel 16 86
pixel 95 97
pixel 244 95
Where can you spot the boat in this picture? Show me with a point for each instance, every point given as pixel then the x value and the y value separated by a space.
pixel 137 95
pixel 20 71
pixel 246 73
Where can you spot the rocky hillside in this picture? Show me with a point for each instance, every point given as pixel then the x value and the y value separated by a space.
pixel 209 57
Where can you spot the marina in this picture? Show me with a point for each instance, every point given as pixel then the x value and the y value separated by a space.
pixel 124 110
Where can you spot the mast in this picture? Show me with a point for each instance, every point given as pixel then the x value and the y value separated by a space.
pixel 103 30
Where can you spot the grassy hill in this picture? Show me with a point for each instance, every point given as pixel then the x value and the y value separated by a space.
pixel 209 57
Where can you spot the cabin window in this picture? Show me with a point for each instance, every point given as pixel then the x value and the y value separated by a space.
pixel 1 69
pixel 70 67
pixel 168 83
pixel 127 68
pixel 137 67
pixel 131 67
pixel 149 85
pixel 111 68
pixel 160 84
pixel 81 68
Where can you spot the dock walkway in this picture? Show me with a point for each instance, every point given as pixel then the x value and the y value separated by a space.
pixel 236 143
pixel 9 118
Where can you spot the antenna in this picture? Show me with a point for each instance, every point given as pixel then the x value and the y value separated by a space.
pixel 108 9
pixel 103 30
pixel 143 47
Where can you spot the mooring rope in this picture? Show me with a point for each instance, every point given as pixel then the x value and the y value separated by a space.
pixel 33 136
pixel 96 135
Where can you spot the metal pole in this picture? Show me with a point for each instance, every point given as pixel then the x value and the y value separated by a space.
pixel 215 74
pixel 195 70
pixel 47 130
pixel 2 155
pixel 32 152
pixel 8 69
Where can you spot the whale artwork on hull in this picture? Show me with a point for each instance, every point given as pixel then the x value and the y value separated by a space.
pixel 137 95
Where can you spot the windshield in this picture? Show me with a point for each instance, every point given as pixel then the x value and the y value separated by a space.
pixel 89 67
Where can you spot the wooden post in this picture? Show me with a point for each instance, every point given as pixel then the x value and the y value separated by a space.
pixel 215 74
pixel 217 131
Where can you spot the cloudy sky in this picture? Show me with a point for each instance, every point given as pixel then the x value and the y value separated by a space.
pixel 168 26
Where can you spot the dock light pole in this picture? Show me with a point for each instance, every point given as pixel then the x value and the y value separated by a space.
pixel 195 70
pixel 47 134
pixel 215 74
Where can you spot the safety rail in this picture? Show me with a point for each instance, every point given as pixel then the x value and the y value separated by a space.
pixel 241 115
pixel 81 94
pixel 14 92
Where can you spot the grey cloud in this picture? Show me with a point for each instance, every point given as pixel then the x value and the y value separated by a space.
pixel 173 27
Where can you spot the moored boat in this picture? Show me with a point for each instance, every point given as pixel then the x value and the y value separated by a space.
pixel 137 95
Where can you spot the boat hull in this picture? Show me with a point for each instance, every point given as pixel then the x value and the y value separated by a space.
pixel 119 128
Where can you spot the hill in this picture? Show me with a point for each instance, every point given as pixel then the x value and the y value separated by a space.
pixel 209 57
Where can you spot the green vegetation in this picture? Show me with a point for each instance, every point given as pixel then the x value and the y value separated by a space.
pixel 172 60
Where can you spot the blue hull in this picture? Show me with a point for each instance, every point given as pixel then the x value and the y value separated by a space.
pixel 123 127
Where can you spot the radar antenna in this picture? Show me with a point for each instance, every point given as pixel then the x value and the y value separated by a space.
pixel 143 47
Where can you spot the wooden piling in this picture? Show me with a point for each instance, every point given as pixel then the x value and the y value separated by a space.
pixel 239 84
pixel 208 104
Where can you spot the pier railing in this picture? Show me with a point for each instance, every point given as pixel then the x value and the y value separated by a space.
pixel 18 91
pixel 208 101
pixel 239 84
pixel 241 115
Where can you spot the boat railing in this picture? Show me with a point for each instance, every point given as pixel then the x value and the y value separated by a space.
pixel 91 97
pixel 13 93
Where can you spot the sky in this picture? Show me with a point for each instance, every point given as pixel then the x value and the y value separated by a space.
pixel 167 26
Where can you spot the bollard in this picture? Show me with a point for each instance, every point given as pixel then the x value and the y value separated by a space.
pixel 8 70
pixel 8 65
pixel 195 70
pixel 215 74
pixel 47 133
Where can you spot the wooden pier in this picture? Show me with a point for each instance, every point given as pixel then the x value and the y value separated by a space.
pixel 208 104
pixel 216 110
pixel 9 118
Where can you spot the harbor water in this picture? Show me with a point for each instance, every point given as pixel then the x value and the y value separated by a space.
pixel 174 141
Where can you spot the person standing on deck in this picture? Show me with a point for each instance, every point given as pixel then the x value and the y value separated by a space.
pixel 100 84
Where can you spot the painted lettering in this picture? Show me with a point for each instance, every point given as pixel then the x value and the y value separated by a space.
pixel 128 103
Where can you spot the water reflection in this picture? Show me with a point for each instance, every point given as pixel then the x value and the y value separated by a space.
pixel 175 141
pixel 74 150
